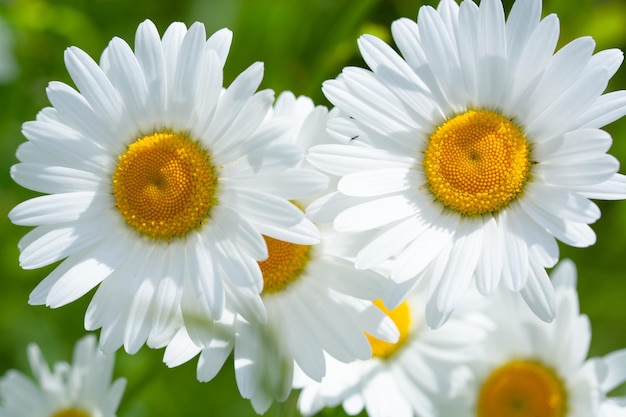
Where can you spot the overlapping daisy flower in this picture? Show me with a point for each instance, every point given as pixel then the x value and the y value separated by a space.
pixel 317 304
pixel 162 184
pixel 533 368
pixel 473 151
pixel 408 378
pixel 83 388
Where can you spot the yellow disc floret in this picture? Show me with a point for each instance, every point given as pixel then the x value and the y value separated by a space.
pixel 71 412
pixel 522 388
pixel 477 162
pixel 285 264
pixel 165 185
pixel 401 316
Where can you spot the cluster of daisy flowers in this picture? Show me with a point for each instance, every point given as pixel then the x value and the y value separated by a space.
pixel 388 254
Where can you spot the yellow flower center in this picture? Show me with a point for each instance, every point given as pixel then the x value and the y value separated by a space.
pixel 477 162
pixel 285 264
pixel 71 412
pixel 165 185
pixel 522 388
pixel 401 316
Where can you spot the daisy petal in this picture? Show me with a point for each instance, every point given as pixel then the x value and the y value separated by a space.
pixel 539 294
pixel 375 213
pixel 59 208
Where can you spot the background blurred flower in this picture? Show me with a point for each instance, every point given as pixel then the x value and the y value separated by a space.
pixel 80 389
pixel 535 368
pixel 403 379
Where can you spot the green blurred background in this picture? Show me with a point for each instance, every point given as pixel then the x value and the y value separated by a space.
pixel 302 44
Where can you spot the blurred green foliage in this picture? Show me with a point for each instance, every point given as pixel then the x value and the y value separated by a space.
pixel 302 43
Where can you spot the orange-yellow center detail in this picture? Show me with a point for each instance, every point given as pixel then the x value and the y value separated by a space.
pixel 477 162
pixel 522 388
pixel 401 316
pixel 71 412
pixel 165 185
pixel 285 263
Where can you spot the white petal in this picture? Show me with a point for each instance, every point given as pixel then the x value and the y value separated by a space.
pixel 94 86
pixel 247 303
pixel 345 159
pixel 491 50
pixel 578 172
pixel 188 70
pixel 127 77
pixel 466 249
pixel 376 182
pixel 536 55
pixel 213 358
pixel 54 243
pixel 81 272
pixel 220 42
pixel 441 51
pixel 341 276
pixel 138 324
pixel 522 21
pixel 606 109
pixel 251 353
pixel 241 233
pixel 390 242
pixel 578 145
pixel 234 98
pixel 372 214
pixel 426 247
pixel 238 268
pixel 67 145
pixel 489 267
pixel 149 54
pixel 564 204
pixel 616 366
pixel 575 234
pixel 54 179
pixel 539 294
pixel 207 277
pixel 181 349
pixel 564 69
pixel 274 158
pixel 78 114
pixel 207 95
pixel 406 35
pixel 326 208
pixel 613 189
pixel 563 112
pixel 394 72
pixel 59 208
pixel 303 233
pixel 242 127
pixel 262 208
pixel 168 296
pixel 291 184
pixel 515 263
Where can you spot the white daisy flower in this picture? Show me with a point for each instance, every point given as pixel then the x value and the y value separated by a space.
pixel 316 303
pixel 533 368
pixel 474 151
pixel 402 379
pixel 80 389
pixel 162 184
